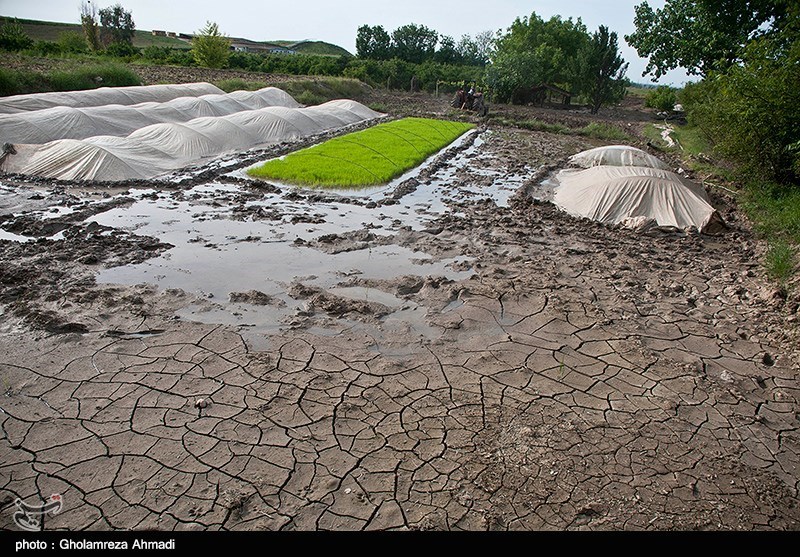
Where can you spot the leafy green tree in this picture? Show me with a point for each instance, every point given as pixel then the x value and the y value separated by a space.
pixel 373 43
pixel 116 25
pixel 447 52
pixel 701 35
pixel 604 70
pixel 414 43
pixel 476 51
pixel 750 111
pixel 534 52
pixel 13 37
pixel 511 73
pixel 90 25
pixel 210 48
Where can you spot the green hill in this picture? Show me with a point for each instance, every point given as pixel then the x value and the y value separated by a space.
pixel 50 31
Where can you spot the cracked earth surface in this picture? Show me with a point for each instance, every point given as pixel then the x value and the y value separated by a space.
pixel 562 375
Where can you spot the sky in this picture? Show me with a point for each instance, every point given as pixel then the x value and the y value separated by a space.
pixel 337 21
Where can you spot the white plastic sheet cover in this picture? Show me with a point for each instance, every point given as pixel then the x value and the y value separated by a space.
pixel 617 155
pixel 160 148
pixel 43 126
pixel 619 195
pixel 105 95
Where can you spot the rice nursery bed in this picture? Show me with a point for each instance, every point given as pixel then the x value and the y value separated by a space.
pixel 366 158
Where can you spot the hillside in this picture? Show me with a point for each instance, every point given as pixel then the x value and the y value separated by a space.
pixel 50 31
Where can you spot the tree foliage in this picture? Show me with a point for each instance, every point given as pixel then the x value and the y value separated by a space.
pixel 414 43
pixel 373 43
pixel 750 111
pixel 603 70
pixel 700 35
pixel 90 25
pixel 116 26
pixel 210 48
pixel 536 52
pixel 663 98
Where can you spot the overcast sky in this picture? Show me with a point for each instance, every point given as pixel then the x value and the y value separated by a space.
pixel 337 21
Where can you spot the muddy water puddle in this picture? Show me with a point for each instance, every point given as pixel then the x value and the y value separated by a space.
pixel 215 255
pixel 230 238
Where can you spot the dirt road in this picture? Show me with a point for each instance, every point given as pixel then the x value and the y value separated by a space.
pixel 445 353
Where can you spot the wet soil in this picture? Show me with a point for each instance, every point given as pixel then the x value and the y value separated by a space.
pixel 446 352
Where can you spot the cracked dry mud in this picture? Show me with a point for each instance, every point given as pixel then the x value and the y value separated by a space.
pixel 569 376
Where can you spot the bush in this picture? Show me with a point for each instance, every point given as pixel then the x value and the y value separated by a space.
pixel 663 99
pixel 13 37
pixel 122 50
pixel 46 48
pixel 750 112
pixel 72 42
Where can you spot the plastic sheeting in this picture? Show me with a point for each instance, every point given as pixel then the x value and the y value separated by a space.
pixel 617 155
pixel 621 195
pixel 160 148
pixel 105 95
pixel 63 122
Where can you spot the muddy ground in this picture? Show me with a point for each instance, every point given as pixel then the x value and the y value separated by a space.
pixel 446 353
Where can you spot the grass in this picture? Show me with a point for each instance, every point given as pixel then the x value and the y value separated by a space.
pixel 366 158
pixel 779 261
pixel 774 210
pixel 605 132
pixel 82 76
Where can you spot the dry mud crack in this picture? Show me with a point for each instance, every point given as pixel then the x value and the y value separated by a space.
pixel 513 369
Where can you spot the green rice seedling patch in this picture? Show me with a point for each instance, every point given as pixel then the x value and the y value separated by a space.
pixel 367 158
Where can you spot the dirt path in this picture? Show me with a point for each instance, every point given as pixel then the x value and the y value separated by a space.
pixel 447 354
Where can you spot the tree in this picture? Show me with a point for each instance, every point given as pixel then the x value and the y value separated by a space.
pixel 447 52
pixel 210 48
pixel 749 112
pixel 116 25
pixel 477 51
pixel 91 28
pixel 604 70
pixel 534 52
pixel 701 35
pixel 414 43
pixel 373 43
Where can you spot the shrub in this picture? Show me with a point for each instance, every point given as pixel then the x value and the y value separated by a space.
pixel 70 41
pixel 157 54
pixel 750 112
pixel 122 50
pixel 662 99
pixel 13 37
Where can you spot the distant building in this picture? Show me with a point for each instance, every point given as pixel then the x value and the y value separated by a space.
pixel 159 33
pixel 245 45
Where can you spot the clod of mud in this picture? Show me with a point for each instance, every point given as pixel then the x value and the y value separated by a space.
pixel 256 298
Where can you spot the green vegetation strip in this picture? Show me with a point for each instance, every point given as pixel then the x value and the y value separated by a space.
pixel 366 158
